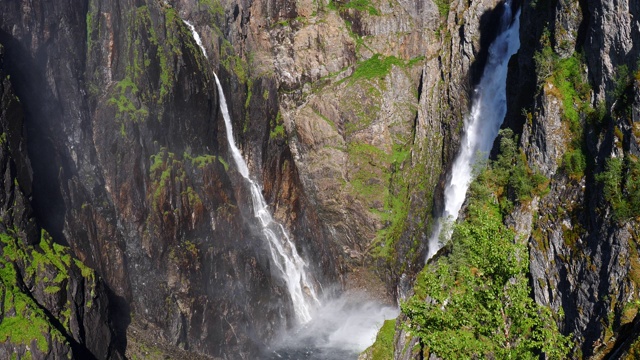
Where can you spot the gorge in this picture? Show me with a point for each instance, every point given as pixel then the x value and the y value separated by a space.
pixel 241 179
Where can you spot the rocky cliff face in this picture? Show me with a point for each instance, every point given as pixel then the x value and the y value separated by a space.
pixel 573 97
pixel 347 112
pixel 52 305
pixel 583 257
pixel 131 171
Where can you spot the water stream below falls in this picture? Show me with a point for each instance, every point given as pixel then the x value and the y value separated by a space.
pixel 481 126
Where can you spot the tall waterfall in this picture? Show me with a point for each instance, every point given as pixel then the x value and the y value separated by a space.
pixel 282 250
pixel 481 127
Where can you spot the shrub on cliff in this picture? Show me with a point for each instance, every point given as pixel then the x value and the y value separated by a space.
pixel 475 302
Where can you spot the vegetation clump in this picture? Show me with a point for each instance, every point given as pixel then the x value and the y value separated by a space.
pixel 24 321
pixel 621 186
pixel 382 348
pixel 568 83
pixel 509 178
pixel 364 6
pixel 475 302
pixel 375 67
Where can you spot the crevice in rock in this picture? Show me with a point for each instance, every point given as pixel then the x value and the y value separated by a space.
pixel 49 171
pixel 79 350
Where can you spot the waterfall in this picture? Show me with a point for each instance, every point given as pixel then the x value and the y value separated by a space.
pixel 282 250
pixel 481 126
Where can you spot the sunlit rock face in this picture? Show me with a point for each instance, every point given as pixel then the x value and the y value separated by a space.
pixel 131 168
pixel 348 118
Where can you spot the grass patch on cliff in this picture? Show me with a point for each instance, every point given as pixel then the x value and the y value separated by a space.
pixel 170 193
pixel 277 128
pixel 232 62
pixel 382 348
pixel 377 66
pixel 443 7
pixel 214 7
pixel 126 109
pixel 362 5
pixel 24 321
pixel 396 206
pixel 359 5
pixel 369 176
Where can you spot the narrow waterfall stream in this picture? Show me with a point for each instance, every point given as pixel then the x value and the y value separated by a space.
pixel 481 126
pixel 332 329
pixel 282 250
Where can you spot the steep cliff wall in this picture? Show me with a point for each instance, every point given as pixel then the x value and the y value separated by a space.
pixel 51 304
pixel 124 140
pixel 348 113
pixel 577 126
pixel 573 98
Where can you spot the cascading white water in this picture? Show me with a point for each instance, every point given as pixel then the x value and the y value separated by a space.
pixel 481 127
pixel 282 250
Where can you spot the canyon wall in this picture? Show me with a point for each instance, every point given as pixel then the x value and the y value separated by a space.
pixel 348 113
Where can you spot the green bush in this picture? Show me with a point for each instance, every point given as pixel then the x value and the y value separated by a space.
pixel 574 163
pixel 509 178
pixel 621 187
pixel 476 302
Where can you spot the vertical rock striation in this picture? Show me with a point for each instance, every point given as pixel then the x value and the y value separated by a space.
pixel 52 305
pixel 576 114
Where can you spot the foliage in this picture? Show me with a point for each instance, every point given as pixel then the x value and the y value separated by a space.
pixel 509 177
pixel 396 206
pixel 214 7
pixel 621 187
pixel 375 67
pixel 545 61
pixel 475 303
pixel 572 88
pixel 574 163
pixel 277 128
pixel 443 7
pixel 126 108
pixel 24 321
pixel 233 63
pixel 382 348
pixel 369 176
pixel 363 5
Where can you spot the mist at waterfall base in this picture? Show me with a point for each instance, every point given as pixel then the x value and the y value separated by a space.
pixel 481 126
pixel 340 330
